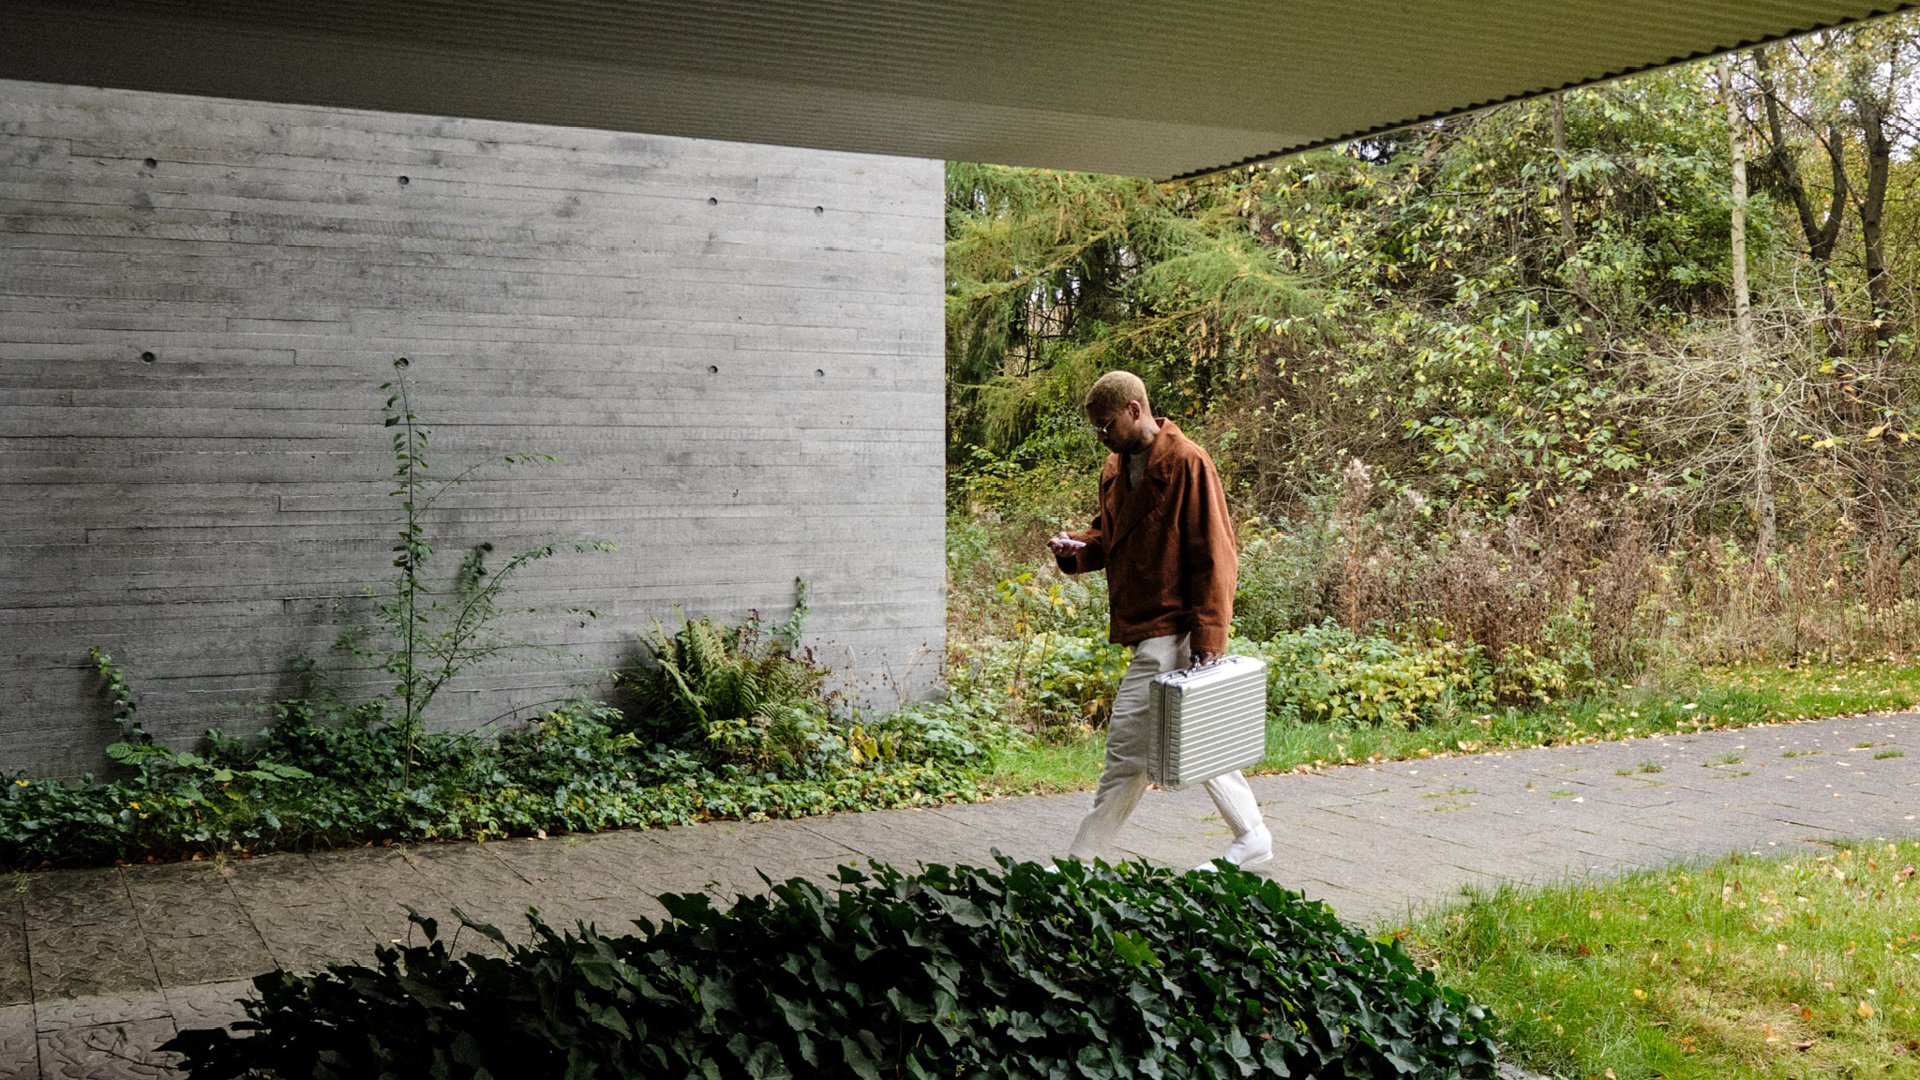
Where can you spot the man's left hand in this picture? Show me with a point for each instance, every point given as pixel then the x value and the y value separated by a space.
pixel 1203 658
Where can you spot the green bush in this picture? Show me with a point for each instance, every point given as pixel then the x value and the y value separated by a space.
pixel 738 697
pixel 1024 495
pixel 1001 509
pixel 1051 684
pixel 970 549
pixel 569 772
pixel 1033 601
pixel 1007 972
pixel 1021 596
pixel 949 733
pixel 749 703
pixel 1285 576
pixel 1562 666
pixel 1327 673
pixel 1523 677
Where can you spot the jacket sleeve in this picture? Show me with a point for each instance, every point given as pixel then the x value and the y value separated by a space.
pixel 1209 557
pixel 1089 558
pixel 1094 555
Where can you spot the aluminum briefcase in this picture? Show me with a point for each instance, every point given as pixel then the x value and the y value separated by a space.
pixel 1208 721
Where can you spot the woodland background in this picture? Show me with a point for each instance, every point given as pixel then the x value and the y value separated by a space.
pixel 1490 395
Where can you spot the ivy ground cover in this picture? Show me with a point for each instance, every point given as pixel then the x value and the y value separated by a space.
pixel 1015 970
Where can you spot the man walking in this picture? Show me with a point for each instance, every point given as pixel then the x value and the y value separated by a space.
pixel 1162 535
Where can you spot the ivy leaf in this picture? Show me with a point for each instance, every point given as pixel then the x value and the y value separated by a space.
pixel 911 1011
pixel 766 1064
pixel 1133 949
pixel 800 1015
pixel 466 1050
pixel 858 1060
pixel 421 991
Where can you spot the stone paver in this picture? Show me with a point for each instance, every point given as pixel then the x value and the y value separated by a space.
pixel 99 967
pixel 19 1043
pixel 75 898
pixel 124 1049
pixel 15 987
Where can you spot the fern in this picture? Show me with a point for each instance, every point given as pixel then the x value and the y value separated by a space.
pixel 738 696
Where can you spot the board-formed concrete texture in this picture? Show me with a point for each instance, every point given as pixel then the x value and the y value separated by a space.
pixel 735 350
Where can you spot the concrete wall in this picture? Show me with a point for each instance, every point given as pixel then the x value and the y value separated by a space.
pixel 736 349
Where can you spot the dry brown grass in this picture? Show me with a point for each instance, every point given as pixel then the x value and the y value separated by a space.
pixel 1629 590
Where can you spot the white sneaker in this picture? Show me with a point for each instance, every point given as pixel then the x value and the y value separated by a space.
pixel 1250 849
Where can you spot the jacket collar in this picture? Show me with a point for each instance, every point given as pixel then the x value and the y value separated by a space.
pixel 1161 454
pixel 1160 460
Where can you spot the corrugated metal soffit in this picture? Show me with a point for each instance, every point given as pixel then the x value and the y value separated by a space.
pixel 1145 87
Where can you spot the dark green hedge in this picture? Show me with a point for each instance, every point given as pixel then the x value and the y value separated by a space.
pixel 1008 971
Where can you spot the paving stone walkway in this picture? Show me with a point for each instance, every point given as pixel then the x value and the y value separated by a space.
pixel 98 967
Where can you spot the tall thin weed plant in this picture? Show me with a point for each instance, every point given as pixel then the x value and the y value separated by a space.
pixel 425 637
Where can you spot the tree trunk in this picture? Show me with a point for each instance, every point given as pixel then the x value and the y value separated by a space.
pixel 1763 510
pixel 1821 233
pixel 1873 202
pixel 1569 239
pixel 1877 148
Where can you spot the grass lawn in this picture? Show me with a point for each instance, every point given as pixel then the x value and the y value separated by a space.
pixel 1797 967
pixel 1713 698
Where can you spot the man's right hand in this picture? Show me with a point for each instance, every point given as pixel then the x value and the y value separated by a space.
pixel 1064 544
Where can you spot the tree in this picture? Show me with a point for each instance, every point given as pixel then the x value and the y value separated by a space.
pixel 1781 171
pixel 1054 277
pixel 1503 312
pixel 1757 434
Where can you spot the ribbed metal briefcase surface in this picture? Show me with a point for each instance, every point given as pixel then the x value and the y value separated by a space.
pixel 1208 721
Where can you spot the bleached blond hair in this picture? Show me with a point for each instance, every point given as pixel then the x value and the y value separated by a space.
pixel 1111 392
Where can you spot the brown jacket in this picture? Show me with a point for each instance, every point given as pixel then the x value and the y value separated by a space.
pixel 1167 546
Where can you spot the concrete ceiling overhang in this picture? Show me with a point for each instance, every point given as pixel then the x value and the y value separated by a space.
pixel 1157 88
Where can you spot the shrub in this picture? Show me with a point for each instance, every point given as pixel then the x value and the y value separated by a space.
pixel 1007 971
pixel 1558 666
pixel 1329 673
pixel 1021 597
pixel 948 733
pixel 324 776
pixel 1026 495
pixel 1001 511
pixel 744 700
pixel 1034 601
pixel 163 797
pixel 1053 685
pixel 1287 579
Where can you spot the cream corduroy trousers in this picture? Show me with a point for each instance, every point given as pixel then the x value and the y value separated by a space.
pixel 1129 736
